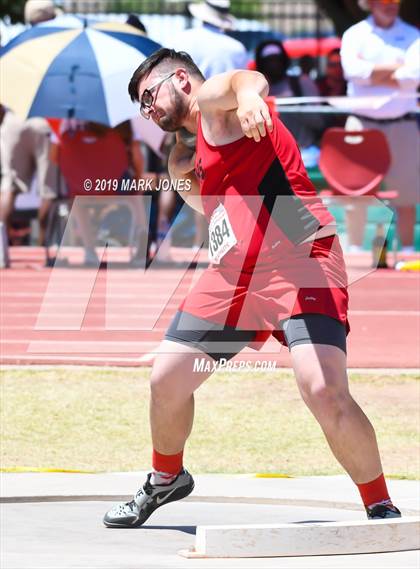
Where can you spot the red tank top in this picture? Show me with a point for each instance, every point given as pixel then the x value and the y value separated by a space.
pixel 266 191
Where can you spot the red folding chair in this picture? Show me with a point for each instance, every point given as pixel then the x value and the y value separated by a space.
pixel 354 163
pixel 83 155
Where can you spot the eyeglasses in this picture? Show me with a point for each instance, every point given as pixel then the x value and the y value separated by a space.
pixel 147 98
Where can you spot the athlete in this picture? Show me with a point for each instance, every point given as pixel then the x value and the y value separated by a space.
pixel 276 268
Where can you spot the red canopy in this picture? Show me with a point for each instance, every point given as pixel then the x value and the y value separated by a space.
pixel 307 46
pixel 311 46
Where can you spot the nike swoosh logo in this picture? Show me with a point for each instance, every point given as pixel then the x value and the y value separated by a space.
pixel 160 500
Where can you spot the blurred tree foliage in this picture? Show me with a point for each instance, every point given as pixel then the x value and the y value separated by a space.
pixel 250 7
pixel 345 13
pixel 147 6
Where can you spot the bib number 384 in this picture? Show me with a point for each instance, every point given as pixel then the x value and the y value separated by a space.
pixel 221 235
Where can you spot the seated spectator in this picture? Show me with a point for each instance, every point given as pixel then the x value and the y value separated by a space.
pixel 273 61
pixel 333 83
pixel 24 150
pixel 307 74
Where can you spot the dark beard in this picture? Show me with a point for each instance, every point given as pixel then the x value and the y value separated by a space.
pixel 173 122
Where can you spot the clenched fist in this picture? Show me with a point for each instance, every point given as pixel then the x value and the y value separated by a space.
pixel 253 115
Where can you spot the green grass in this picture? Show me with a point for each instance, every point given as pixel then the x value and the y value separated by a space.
pixel 90 419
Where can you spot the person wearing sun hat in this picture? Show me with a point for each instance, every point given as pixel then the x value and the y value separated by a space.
pixel 209 45
pixel 25 145
pixel 380 57
pixel 215 12
pixel 37 11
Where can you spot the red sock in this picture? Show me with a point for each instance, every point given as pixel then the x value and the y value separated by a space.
pixel 374 492
pixel 170 463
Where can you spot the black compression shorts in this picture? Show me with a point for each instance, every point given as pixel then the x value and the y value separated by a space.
pixel 224 342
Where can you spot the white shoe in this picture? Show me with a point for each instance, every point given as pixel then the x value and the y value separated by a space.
pixel 147 500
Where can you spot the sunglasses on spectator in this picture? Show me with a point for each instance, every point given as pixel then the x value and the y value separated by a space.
pixel 147 99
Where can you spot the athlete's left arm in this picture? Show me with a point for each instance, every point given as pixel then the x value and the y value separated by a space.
pixel 239 90
pixel 181 167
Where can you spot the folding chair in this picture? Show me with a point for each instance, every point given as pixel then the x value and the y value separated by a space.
pixel 354 163
pixel 85 155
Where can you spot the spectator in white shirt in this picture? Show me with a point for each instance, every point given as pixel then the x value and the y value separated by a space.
pixel 213 51
pixel 381 56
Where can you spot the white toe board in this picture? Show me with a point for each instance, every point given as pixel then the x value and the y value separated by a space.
pixel 328 538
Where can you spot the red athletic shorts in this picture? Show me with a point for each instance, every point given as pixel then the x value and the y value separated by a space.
pixel 309 278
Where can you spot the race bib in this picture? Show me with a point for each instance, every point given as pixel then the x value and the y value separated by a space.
pixel 221 235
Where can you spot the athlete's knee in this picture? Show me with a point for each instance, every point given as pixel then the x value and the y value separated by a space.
pixel 167 387
pixel 160 386
pixel 327 398
pixel 326 393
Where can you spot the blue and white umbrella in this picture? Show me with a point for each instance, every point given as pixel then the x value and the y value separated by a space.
pixel 71 68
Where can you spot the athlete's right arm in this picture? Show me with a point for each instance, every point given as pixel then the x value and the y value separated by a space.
pixel 241 91
pixel 221 92
pixel 181 166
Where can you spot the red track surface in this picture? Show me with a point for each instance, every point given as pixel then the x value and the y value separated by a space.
pixel 384 314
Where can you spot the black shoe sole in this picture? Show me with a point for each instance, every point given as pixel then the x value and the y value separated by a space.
pixel 384 517
pixel 179 494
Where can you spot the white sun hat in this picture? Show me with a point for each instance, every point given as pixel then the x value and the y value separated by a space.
pixel 214 12
pixel 37 11
pixel 364 5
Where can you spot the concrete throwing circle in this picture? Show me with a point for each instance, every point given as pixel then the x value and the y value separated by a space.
pixel 69 533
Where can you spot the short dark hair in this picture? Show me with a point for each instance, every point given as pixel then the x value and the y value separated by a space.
pixel 170 59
